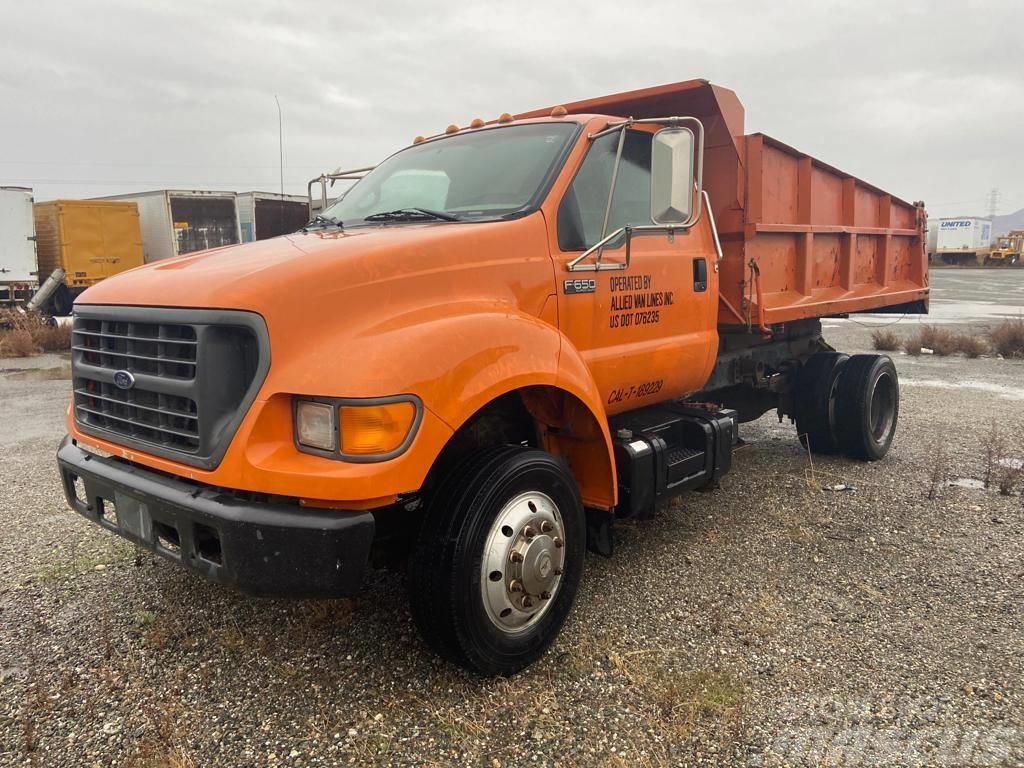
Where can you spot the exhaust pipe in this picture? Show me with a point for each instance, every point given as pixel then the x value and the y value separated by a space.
pixel 46 290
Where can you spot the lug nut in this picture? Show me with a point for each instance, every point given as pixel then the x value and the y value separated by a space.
pixel 546 527
pixel 558 543
pixel 529 532
pixel 515 586
pixel 527 602
pixel 516 557
pixel 545 595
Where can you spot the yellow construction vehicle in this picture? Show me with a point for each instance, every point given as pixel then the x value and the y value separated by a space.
pixel 1008 249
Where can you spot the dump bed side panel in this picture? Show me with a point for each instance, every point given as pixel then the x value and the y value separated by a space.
pixel 816 241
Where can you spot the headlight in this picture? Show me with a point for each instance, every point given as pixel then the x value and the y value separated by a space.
pixel 360 430
pixel 315 425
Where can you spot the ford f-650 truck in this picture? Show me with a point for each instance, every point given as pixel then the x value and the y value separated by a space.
pixel 497 342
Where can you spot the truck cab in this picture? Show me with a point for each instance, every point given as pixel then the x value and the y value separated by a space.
pixel 496 343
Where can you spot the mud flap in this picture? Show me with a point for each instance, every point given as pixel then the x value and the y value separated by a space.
pixel 599 532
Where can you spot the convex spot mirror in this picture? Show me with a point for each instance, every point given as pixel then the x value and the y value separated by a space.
pixel 672 176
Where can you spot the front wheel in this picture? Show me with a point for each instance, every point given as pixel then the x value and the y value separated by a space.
pixel 494 572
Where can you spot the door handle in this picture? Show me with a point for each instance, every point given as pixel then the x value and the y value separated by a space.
pixel 700 275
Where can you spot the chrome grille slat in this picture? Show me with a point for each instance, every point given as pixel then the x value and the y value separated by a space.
pixel 136 338
pixel 178 414
pixel 132 355
pixel 135 423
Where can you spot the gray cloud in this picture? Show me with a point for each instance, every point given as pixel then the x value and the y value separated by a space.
pixel 99 97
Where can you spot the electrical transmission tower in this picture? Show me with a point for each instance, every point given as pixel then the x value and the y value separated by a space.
pixel 993 203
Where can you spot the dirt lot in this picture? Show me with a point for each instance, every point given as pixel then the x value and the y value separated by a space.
pixel 768 622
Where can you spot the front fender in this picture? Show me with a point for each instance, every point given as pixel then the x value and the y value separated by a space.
pixel 457 359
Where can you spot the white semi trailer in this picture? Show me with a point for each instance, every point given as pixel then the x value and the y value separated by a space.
pixel 18 267
pixel 963 239
pixel 177 221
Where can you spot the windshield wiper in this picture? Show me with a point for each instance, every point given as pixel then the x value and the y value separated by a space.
pixel 323 221
pixel 410 213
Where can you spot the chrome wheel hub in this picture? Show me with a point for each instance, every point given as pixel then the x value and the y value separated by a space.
pixel 523 561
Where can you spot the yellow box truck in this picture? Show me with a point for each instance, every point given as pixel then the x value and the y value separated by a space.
pixel 89 239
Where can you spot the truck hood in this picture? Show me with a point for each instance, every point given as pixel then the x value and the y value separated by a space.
pixel 247 276
pixel 321 281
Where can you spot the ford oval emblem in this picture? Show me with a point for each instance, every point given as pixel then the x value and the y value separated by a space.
pixel 124 380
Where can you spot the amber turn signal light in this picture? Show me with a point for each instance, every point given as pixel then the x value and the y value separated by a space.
pixel 372 430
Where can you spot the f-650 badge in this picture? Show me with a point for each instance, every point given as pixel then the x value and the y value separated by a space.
pixel 570 287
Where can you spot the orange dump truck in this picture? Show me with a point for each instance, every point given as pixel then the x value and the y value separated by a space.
pixel 496 343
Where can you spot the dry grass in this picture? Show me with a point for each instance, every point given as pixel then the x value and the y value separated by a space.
pixel 161 743
pixel 29 334
pixel 885 340
pixel 18 343
pixel 971 346
pixel 941 341
pixel 684 700
pixel 944 342
pixel 1007 338
pixel 939 471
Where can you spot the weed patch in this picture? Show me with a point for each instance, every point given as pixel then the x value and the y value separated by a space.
pixel 885 340
pixel 1007 338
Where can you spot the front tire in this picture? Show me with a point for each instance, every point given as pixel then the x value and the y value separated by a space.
pixel 867 406
pixel 494 572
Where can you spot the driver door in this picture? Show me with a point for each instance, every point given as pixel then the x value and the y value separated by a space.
pixel 648 331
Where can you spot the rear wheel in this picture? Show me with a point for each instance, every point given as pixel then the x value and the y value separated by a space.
pixel 494 572
pixel 816 398
pixel 867 406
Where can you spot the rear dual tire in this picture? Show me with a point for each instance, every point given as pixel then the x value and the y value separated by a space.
pixel 847 405
pixel 868 407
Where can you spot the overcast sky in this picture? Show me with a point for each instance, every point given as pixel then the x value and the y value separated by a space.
pixel 923 99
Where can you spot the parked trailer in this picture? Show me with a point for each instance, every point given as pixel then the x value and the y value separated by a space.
pixel 18 268
pixel 498 342
pixel 90 240
pixel 174 222
pixel 963 239
pixel 262 215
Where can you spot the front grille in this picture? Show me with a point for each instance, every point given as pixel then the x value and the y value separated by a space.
pixel 160 350
pixel 172 382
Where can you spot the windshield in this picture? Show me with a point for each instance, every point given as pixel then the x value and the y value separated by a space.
pixel 1004 242
pixel 484 174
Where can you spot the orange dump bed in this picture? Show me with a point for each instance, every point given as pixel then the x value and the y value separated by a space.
pixel 800 238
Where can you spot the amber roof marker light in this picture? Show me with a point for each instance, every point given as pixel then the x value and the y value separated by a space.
pixel 559 112
pixel 453 128
pixel 505 118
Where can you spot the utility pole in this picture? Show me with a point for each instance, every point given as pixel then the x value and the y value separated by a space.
pixel 993 203
pixel 280 142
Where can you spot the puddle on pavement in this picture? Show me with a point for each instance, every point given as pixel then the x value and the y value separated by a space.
pixel 969 483
pixel 37 374
pixel 1006 392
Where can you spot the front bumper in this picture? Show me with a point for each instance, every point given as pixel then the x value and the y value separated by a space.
pixel 263 548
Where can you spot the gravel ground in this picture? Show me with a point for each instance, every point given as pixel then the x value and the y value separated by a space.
pixel 769 622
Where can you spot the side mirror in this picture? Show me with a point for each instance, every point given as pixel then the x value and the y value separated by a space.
pixel 672 176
